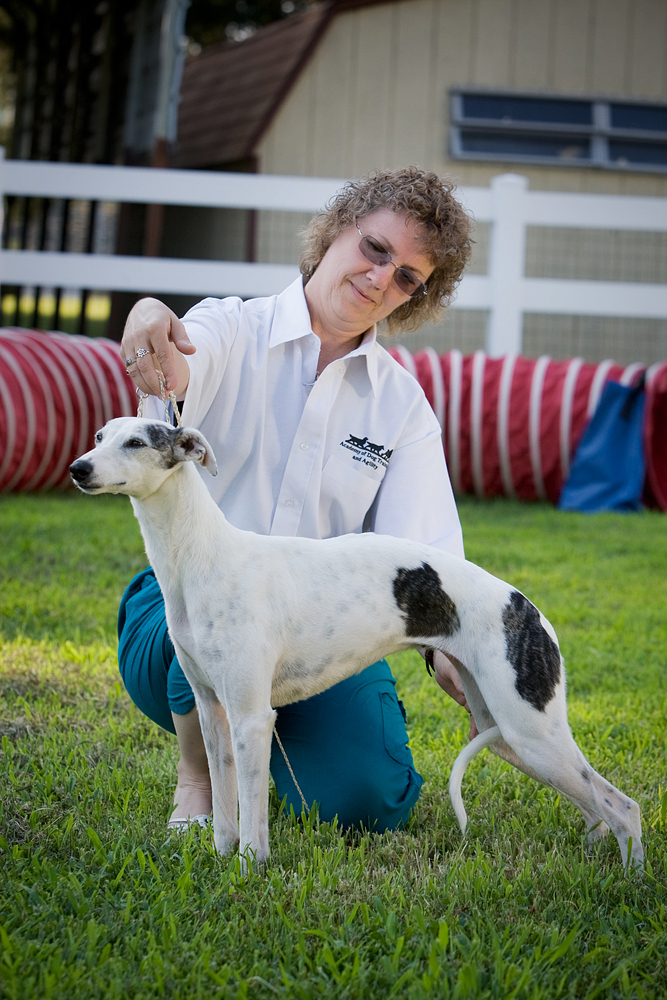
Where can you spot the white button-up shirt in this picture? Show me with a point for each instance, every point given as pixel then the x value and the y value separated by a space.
pixel 358 448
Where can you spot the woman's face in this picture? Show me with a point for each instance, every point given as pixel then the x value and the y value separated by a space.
pixel 348 292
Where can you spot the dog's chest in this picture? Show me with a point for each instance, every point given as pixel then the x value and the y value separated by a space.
pixel 297 678
pixel 181 632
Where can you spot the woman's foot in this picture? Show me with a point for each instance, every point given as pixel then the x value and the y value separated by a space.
pixel 193 798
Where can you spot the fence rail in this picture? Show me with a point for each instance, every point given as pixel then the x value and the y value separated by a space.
pixel 507 205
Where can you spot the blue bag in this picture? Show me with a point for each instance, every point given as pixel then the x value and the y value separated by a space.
pixel 609 466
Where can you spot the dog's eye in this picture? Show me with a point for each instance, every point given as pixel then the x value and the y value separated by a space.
pixel 135 443
pixel 98 437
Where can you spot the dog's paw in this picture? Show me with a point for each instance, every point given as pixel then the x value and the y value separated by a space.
pixel 225 845
pixel 598 832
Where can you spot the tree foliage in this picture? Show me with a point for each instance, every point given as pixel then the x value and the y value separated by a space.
pixel 70 61
pixel 211 21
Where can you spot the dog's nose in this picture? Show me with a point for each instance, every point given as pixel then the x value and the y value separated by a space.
pixel 80 470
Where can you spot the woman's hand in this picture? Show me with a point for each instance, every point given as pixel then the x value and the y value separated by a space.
pixel 151 325
pixel 448 678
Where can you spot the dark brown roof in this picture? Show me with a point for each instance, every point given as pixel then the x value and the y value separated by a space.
pixel 230 92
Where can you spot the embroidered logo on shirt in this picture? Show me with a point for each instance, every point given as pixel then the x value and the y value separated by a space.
pixel 367 452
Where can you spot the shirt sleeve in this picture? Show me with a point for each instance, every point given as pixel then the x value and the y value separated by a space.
pixel 416 499
pixel 212 326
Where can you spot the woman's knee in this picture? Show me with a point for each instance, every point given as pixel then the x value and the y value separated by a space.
pixel 146 659
pixel 349 750
pixel 378 799
pixel 378 794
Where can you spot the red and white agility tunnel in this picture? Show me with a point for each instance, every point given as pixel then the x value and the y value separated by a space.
pixel 510 425
pixel 56 390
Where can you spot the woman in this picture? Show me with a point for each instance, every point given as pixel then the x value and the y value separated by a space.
pixel 317 432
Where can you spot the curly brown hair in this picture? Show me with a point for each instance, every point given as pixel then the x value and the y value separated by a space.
pixel 423 197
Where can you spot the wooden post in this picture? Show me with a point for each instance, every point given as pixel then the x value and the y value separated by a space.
pixel 507 254
pixel 155 213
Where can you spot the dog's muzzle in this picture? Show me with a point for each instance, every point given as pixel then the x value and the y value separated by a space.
pixel 81 471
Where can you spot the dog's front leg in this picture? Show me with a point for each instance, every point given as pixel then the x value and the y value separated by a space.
pixel 251 738
pixel 222 768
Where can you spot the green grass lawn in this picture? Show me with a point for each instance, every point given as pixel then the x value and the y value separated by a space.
pixel 95 901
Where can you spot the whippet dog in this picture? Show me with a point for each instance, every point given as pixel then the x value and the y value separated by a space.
pixel 260 621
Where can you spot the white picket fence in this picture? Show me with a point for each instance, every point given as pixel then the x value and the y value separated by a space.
pixel 507 205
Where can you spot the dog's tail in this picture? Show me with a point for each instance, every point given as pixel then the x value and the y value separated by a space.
pixel 482 740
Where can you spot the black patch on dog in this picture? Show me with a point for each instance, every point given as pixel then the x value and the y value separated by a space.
pixel 427 609
pixel 531 651
pixel 161 438
pixel 585 775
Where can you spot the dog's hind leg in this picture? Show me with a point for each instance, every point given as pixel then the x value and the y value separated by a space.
pixel 532 717
pixel 595 825
pixel 484 719
pixel 222 768
pixel 555 756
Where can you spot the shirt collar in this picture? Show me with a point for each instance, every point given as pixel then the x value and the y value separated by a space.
pixel 291 321
pixel 368 349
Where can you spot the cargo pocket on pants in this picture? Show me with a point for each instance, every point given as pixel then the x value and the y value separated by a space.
pixel 394 732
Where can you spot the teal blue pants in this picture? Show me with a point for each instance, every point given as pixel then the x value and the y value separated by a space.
pixel 348 746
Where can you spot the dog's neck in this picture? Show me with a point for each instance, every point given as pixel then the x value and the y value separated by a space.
pixel 179 523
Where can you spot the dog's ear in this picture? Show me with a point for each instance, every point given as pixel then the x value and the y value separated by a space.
pixel 191 446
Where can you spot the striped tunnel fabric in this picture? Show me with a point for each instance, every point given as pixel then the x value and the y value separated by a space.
pixel 511 425
pixel 655 435
pixel 56 390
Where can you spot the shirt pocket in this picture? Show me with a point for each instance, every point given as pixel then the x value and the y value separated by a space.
pixel 353 476
pixel 348 490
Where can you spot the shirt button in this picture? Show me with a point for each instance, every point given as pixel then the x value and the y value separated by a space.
pixel 304 446
pixel 341 369
pixel 289 503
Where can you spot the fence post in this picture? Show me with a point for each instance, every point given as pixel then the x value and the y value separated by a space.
pixel 507 253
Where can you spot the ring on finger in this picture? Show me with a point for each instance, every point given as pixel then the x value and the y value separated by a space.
pixel 141 353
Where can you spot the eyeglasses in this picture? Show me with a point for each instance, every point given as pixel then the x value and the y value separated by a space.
pixel 405 280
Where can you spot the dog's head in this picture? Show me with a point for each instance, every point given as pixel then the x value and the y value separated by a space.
pixel 134 456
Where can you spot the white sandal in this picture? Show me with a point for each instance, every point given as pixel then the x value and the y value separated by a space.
pixel 184 823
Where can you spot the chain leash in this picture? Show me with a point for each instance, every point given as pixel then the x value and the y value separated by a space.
pixel 289 768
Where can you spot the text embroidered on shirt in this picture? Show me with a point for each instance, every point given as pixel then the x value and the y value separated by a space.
pixel 367 452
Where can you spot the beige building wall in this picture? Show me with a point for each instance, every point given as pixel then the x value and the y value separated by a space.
pixel 376 93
